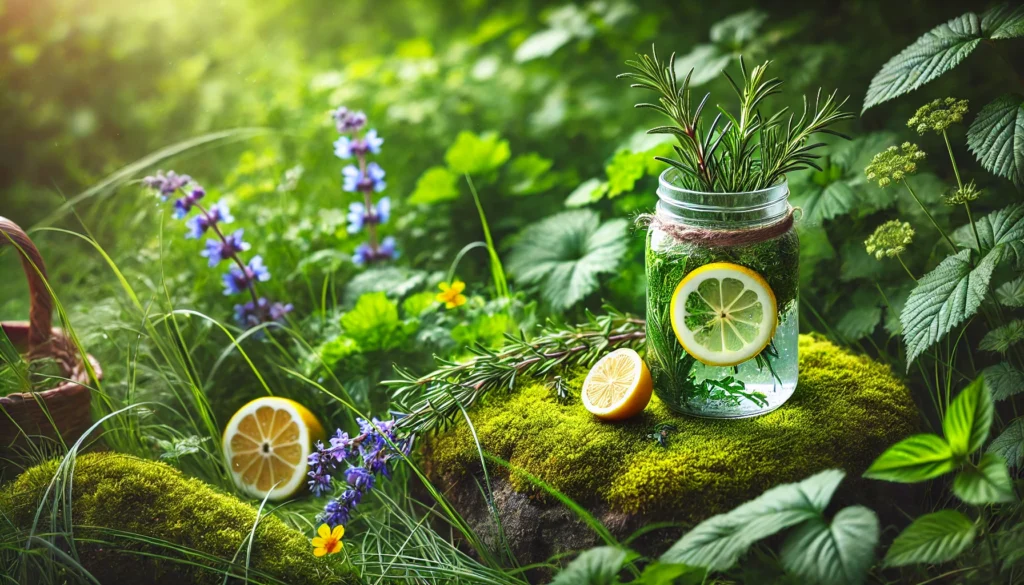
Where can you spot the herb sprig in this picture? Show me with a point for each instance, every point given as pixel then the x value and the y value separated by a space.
pixel 734 153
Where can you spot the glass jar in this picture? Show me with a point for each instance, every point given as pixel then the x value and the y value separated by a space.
pixel 751 230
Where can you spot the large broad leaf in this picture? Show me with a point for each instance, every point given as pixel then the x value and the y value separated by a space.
pixel 1001 339
pixel 932 538
pixel 836 553
pixel 987 483
pixel 706 61
pixel 862 318
pixel 718 542
pixel 1004 21
pixel 943 299
pixel 1001 231
pixel 969 418
pixel 565 253
pixel 916 458
pixel 996 137
pixel 597 566
pixel 1011 294
pixel 374 324
pixel 436 184
pixel 1010 444
pixel 935 53
pixel 472 154
pixel 1003 380
pixel 821 203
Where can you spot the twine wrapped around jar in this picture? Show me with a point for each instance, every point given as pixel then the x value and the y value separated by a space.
pixel 717 237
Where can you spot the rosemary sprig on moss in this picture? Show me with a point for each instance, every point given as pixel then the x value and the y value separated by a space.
pixel 433 401
pixel 735 153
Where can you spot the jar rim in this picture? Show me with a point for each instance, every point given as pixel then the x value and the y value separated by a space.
pixel 664 182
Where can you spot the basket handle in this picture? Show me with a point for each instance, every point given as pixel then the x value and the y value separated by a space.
pixel 41 308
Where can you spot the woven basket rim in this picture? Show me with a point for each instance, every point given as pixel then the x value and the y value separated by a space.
pixel 80 375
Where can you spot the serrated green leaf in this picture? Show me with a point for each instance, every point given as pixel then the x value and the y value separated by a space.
pixel 1003 22
pixel 471 154
pixel 565 253
pixel 996 137
pixel 914 459
pixel 1011 294
pixel 624 170
pixel 1003 381
pixel 932 538
pixel 528 174
pixel 1001 231
pixel 374 324
pixel 936 52
pixel 1002 338
pixel 597 566
pixel 718 542
pixel 836 553
pixel 821 203
pixel 987 483
pixel 862 318
pixel 586 193
pixel 944 298
pixel 1010 444
pixel 969 418
pixel 436 184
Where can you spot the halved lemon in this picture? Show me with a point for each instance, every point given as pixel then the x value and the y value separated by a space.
pixel 618 386
pixel 724 314
pixel 266 445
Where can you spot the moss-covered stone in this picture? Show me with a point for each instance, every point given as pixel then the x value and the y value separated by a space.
pixel 846 410
pixel 155 500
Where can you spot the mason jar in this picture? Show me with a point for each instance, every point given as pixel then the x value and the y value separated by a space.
pixel 722 299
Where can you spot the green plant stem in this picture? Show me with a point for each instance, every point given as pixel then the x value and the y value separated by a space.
pixel 960 185
pixel 929 215
pixel 911 274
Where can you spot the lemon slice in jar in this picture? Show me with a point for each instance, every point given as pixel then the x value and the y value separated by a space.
pixel 266 445
pixel 723 314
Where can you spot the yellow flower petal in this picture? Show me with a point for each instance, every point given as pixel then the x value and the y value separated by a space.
pixel 444 287
pixel 338 532
pixel 324 531
pixel 460 300
pixel 458 286
pixel 318 542
pixel 441 298
pixel 319 552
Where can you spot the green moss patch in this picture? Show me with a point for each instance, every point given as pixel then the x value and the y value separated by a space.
pixel 155 501
pixel 846 410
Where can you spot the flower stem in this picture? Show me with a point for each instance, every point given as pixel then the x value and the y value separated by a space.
pixel 905 268
pixel 371 228
pixel 960 185
pixel 929 215
pixel 241 265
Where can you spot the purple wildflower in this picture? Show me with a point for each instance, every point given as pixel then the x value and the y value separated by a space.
pixel 346 147
pixel 262 311
pixel 347 120
pixel 217 213
pixel 183 205
pixel 358 217
pixel 217 250
pixel 359 478
pixel 166 184
pixel 356 180
pixel 365 254
pixel 236 280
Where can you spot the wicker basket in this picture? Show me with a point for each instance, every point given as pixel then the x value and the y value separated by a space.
pixel 22 415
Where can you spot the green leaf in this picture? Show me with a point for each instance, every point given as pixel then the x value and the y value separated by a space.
pixel 862 318
pixel 936 52
pixel 472 154
pixel 944 298
pixel 933 538
pixel 821 203
pixel 597 566
pixel 1010 444
pixel 1003 22
pixel 836 553
pixel 1011 294
pixel 419 303
pixel 541 44
pixel 565 253
pixel 718 542
pixel 738 29
pixel 988 483
pixel 529 174
pixel 1001 231
pixel 624 170
pixel 707 62
pixel 996 137
pixel 1003 380
pixel 374 324
pixel 586 193
pixel 436 184
pixel 914 459
pixel 1001 339
pixel 969 418
pixel 729 38
pixel 666 574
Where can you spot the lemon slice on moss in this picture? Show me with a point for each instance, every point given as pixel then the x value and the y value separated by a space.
pixel 266 445
pixel 618 386
pixel 723 314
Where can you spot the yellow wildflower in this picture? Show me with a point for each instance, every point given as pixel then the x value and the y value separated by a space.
pixel 451 294
pixel 327 541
